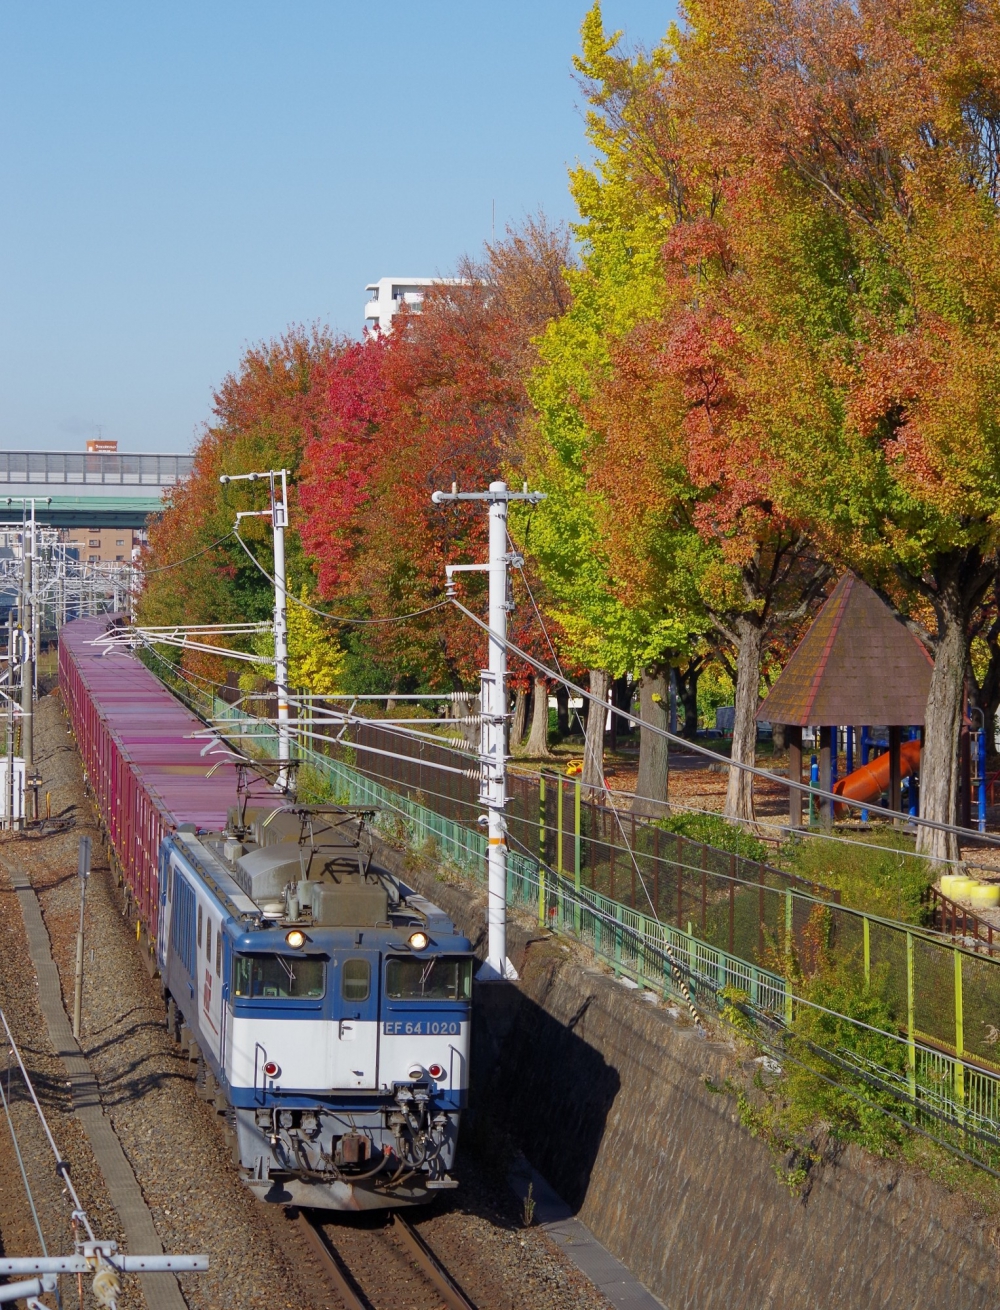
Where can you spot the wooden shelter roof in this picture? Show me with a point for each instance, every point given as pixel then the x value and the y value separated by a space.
pixel 856 664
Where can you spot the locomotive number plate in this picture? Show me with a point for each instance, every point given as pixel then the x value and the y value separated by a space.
pixel 421 1027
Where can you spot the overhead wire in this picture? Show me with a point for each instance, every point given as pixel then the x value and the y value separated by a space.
pixel 62 1168
pixel 785 1056
pixel 20 1161
pixel 163 568
pixel 599 767
pixel 560 676
pixel 335 618
pixel 763 822
pixel 968 833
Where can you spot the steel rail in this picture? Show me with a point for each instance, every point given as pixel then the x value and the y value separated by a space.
pixel 332 1266
pixel 430 1266
pixel 419 1253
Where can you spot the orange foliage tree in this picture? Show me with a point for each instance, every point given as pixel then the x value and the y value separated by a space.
pixel 265 413
pixel 439 401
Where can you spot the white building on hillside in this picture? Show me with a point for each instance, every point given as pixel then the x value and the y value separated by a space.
pixel 389 293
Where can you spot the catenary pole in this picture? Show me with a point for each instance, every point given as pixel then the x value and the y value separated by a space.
pixel 28 665
pixel 278 514
pixel 493 709
pixel 279 520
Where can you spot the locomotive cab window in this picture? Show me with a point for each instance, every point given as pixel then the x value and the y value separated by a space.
pixel 199 927
pixel 208 941
pixel 278 977
pixel 356 980
pixel 218 954
pixel 441 978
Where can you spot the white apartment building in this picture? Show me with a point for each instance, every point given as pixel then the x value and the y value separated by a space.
pixel 389 293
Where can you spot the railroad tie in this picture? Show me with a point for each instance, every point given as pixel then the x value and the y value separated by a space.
pixel 161 1291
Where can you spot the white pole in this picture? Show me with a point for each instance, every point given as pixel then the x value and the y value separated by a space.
pixel 493 705
pixel 494 710
pixel 279 518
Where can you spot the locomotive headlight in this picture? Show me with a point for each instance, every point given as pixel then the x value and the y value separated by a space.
pixel 418 941
pixel 295 938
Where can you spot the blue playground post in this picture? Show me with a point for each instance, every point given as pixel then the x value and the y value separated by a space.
pixel 834 752
pixel 911 786
pixel 982 779
pixel 849 746
pixel 814 781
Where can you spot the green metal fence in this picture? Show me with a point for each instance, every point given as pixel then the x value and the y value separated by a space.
pixel 940 987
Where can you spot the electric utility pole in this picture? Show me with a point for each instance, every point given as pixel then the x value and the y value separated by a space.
pixel 493 707
pixel 27 636
pixel 278 514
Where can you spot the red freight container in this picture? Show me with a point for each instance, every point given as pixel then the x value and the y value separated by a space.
pixel 139 754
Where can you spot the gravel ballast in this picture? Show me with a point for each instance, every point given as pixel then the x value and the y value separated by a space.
pixel 173 1139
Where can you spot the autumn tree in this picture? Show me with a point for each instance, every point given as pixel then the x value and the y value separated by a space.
pixel 439 401
pixel 611 629
pixel 265 413
pixel 641 420
pixel 858 149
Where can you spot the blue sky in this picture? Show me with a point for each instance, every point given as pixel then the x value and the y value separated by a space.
pixel 182 179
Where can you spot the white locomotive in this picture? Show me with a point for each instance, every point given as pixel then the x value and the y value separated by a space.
pixel 328 1005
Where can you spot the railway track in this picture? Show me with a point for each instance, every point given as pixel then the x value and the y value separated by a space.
pixel 356 1292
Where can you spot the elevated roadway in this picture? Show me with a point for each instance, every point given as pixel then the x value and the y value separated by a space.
pixel 89 490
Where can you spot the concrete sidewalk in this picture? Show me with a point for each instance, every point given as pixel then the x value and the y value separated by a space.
pixel 607 1273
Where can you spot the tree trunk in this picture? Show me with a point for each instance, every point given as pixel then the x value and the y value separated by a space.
pixel 621 698
pixel 592 778
pixel 687 691
pixel 739 792
pixel 778 737
pixel 939 764
pixel 654 758
pixel 538 738
pixel 517 723
pixel 562 710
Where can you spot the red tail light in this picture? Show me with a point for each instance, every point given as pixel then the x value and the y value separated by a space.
pixel 271 1070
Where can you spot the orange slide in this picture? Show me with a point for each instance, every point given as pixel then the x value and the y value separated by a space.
pixel 871 780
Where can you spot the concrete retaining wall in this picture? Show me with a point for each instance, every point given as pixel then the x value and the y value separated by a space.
pixel 606 1094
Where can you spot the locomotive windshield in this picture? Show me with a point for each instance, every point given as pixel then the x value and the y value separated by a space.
pixel 280 977
pixel 441 978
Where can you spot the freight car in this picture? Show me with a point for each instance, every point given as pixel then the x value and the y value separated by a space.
pixel 327 1002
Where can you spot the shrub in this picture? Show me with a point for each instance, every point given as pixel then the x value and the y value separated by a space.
pixel 820 1090
pixel 892 883
pixel 713 830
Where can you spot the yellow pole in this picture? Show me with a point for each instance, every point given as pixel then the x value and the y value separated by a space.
pixel 959 1034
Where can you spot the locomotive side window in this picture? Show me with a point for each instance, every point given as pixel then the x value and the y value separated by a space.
pixel 278 977
pixel 208 941
pixel 199 927
pixel 356 980
pixel 182 921
pixel 441 978
pixel 218 954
